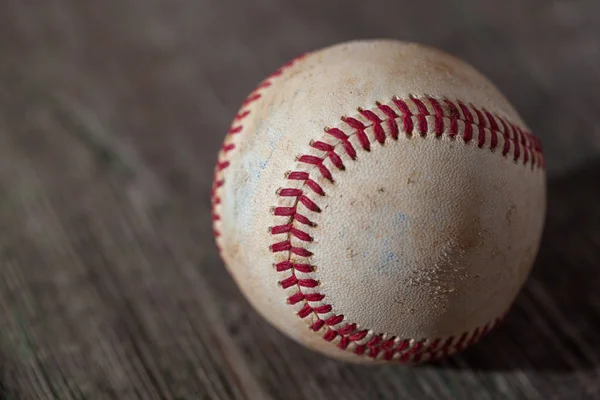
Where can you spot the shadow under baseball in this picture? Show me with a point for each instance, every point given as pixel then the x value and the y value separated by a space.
pixel 553 324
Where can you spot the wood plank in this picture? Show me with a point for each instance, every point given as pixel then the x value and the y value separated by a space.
pixel 111 114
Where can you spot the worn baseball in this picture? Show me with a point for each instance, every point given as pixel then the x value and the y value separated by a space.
pixel 379 201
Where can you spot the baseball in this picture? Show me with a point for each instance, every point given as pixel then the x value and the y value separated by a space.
pixel 379 201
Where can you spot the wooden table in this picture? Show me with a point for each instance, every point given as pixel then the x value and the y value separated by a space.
pixel 111 114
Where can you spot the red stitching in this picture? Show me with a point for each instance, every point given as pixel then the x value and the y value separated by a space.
pixel 336 319
pixel 241 115
pixel 285 211
pixel 310 283
pixel 348 329
pixel 317 325
pixel 404 344
pixel 420 106
pixel 314 296
pixel 338 134
pixel 377 128
pixel 506 147
pixel 391 119
pixel 517 151
pixel 227 147
pixel 332 155
pixel 361 135
pixel 439 117
pixel 431 114
pixel 286 265
pixel 290 192
pixel 318 162
pixel 303 176
pixel 222 165
pixel 330 335
pixel 295 298
pixel 481 127
pixel 454 117
pixel 301 235
pixel 406 115
pixel 251 99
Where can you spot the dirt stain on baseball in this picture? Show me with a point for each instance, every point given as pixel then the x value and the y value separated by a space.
pixel 444 272
pixel 413 177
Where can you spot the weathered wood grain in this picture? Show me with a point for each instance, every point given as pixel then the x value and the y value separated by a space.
pixel 111 114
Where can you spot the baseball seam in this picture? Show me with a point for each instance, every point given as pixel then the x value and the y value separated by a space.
pixel 413 116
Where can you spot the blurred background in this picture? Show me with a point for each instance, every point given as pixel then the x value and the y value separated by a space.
pixel 111 116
